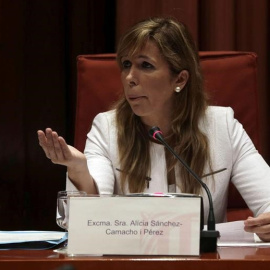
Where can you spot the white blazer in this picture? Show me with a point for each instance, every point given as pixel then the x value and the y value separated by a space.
pixel 230 147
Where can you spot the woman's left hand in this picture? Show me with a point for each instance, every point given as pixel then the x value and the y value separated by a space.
pixel 259 225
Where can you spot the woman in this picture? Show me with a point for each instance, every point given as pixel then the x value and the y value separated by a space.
pixel 163 87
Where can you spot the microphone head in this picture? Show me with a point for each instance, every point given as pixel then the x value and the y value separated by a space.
pixel 156 133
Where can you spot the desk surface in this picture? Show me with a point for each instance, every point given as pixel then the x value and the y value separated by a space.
pixel 225 258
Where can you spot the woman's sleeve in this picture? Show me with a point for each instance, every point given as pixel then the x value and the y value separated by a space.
pixel 98 153
pixel 250 173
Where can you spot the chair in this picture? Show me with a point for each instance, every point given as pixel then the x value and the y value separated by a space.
pixel 230 80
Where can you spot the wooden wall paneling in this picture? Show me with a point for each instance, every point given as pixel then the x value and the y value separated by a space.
pixel 39 42
pixel 253 34
pixel 130 12
pixel 32 97
pixel 217 25
pixel 241 26
pixel 90 30
pixel 44 106
pixel 12 154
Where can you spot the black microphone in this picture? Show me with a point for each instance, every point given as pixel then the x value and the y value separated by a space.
pixel 208 241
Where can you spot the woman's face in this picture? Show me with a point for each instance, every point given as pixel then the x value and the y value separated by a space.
pixel 148 83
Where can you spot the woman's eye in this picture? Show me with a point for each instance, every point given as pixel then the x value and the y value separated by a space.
pixel 126 64
pixel 147 65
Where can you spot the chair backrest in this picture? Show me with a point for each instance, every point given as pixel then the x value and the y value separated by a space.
pixel 230 80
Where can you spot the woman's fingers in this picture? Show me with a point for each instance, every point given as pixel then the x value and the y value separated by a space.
pixel 259 225
pixel 54 146
pixel 262 219
pixel 264 236
pixel 57 149
pixel 43 142
pixel 50 145
pixel 65 148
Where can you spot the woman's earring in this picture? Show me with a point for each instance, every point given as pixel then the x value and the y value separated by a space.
pixel 177 89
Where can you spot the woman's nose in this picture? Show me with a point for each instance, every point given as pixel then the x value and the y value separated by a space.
pixel 132 77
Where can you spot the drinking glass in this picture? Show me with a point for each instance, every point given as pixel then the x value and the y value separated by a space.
pixel 62 211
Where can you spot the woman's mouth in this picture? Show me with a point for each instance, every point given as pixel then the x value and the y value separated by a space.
pixel 135 98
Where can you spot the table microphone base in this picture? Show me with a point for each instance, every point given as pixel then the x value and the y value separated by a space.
pixel 208 241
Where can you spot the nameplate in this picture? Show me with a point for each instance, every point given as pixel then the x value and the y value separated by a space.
pixel 134 225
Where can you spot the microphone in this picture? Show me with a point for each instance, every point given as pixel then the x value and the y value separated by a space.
pixel 208 239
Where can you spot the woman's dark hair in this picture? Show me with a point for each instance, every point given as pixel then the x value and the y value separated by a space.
pixel 178 49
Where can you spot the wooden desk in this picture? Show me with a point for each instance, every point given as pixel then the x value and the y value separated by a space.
pixel 226 258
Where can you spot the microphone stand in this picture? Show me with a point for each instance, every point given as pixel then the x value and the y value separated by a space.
pixel 208 238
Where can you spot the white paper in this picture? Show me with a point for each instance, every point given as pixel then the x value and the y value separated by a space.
pixel 233 234
pixel 27 236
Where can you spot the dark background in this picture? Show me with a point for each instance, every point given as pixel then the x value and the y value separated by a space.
pixel 39 42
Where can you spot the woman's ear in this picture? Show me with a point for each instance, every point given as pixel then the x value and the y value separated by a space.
pixel 182 79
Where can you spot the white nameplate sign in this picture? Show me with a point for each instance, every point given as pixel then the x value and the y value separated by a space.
pixel 134 226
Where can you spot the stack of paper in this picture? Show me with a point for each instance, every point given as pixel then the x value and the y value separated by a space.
pixel 31 239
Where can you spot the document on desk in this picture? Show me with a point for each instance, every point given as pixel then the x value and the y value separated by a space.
pixel 31 239
pixel 232 234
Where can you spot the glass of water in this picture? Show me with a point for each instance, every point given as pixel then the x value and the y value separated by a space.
pixel 62 210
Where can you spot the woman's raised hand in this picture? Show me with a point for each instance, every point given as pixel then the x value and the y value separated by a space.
pixel 58 151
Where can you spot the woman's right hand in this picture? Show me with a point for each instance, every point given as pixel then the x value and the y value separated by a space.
pixel 58 151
